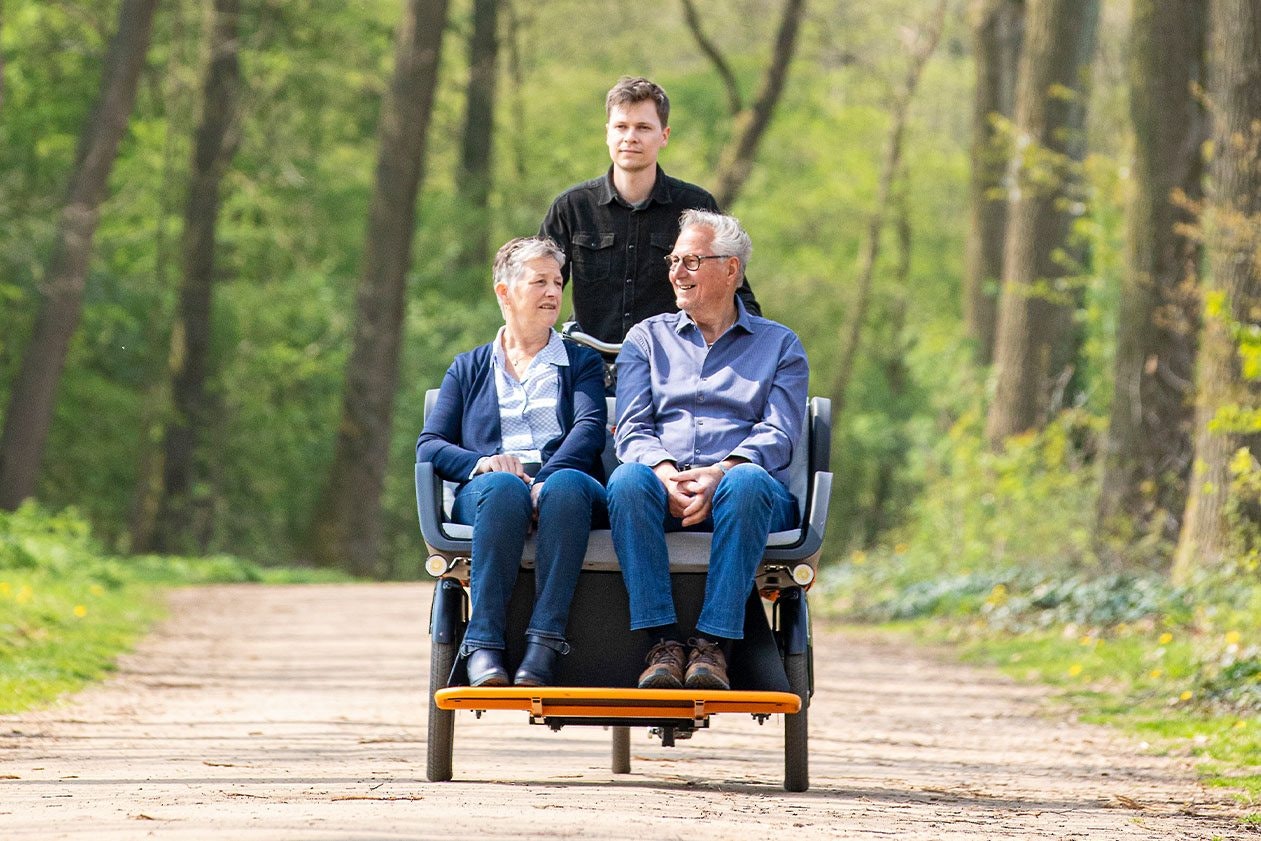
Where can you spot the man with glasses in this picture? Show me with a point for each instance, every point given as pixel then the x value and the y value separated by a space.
pixel 616 229
pixel 710 402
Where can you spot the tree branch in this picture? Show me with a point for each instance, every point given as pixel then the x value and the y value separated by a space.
pixel 735 103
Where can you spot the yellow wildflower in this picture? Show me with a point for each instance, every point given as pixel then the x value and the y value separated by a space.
pixel 1165 638
pixel 1155 673
pixel 1186 695
pixel 1232 637
pixel 80 610
pixel 1074 670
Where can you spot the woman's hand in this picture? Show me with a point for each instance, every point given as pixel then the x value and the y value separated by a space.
pixel 500 463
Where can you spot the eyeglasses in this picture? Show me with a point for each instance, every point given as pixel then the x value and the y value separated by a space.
pixel 692 262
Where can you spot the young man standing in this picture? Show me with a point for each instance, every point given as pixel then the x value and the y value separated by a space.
pixel 616 230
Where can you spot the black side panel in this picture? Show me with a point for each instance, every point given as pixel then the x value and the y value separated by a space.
pixel 605 652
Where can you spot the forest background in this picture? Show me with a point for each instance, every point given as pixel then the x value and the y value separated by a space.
pixel 984 469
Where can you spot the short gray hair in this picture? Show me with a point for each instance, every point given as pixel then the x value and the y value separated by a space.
pixel 729 237
pixel 511 258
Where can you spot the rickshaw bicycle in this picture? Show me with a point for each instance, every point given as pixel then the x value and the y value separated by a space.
pixel 771 669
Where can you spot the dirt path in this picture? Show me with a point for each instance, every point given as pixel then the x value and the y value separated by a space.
pixel 299 713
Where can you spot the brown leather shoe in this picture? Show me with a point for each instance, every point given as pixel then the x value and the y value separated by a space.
pixel 665 666
pixel 706 666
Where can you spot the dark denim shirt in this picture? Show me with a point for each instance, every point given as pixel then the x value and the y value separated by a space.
pixel 679 401
pixel 615 253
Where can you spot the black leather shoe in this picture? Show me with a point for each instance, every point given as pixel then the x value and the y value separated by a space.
pixel 486 668
pixel 537 665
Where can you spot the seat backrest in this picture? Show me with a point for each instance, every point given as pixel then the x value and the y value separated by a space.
pixel 799 467
pixel 448 488
pixel 811 446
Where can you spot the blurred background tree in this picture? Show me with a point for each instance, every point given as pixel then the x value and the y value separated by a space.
pixel 309 264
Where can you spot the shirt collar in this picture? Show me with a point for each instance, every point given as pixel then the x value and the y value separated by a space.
pixel 552 353
pixel 661 192
pixel 743 320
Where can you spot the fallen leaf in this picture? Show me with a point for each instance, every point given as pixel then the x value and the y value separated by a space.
pixel 1127 802
pixel 142 817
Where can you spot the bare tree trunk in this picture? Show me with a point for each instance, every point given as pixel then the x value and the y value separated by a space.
pixel 1 58
pixel 896 373
pixel 997 32
pixel 474 177
pixel 179 108
pixel 346 528
pixel 852 335
pixel 1036 304
pixel 516 73
pixel 215 144
pixel 1233 237
pixel 1148 450
pixel 736 159
pixel 33 399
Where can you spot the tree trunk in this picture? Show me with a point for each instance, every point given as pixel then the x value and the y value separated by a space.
pixel 516 76
pixel 1148 449
pixel 1037 302
pixel 896 372
pixel 346 528
pixel 474 177
pixel 33 399
pixel 737 158
pixel 215 144
pixel 997 31
pixel 1 57
pixel 1233 239
pixel 852 335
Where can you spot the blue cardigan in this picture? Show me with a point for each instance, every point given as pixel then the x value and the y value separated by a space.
pixel 464 423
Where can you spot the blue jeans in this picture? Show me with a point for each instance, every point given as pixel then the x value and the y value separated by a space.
pixel 748 506
pixel 498 507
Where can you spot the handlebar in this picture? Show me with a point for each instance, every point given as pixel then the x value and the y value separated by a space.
pixel 570 330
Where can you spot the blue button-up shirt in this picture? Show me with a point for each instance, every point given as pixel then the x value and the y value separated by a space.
pixel 680 401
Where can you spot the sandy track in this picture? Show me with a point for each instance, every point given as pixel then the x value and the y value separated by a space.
pixel 299 713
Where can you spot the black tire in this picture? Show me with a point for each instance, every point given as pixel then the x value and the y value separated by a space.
pixel 441 722
pixel 796 736
pixel 621 750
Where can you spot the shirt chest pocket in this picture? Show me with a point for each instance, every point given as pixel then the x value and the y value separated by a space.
pixel 592 255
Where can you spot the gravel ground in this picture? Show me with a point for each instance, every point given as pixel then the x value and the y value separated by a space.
pixel 299 713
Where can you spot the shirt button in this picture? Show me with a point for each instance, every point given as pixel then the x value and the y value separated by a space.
pixel 628 280
pixel 700 399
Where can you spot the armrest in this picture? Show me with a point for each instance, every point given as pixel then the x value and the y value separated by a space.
pixel 816 522
pixel 429 510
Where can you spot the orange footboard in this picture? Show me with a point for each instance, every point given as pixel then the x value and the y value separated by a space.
pixel 598 702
